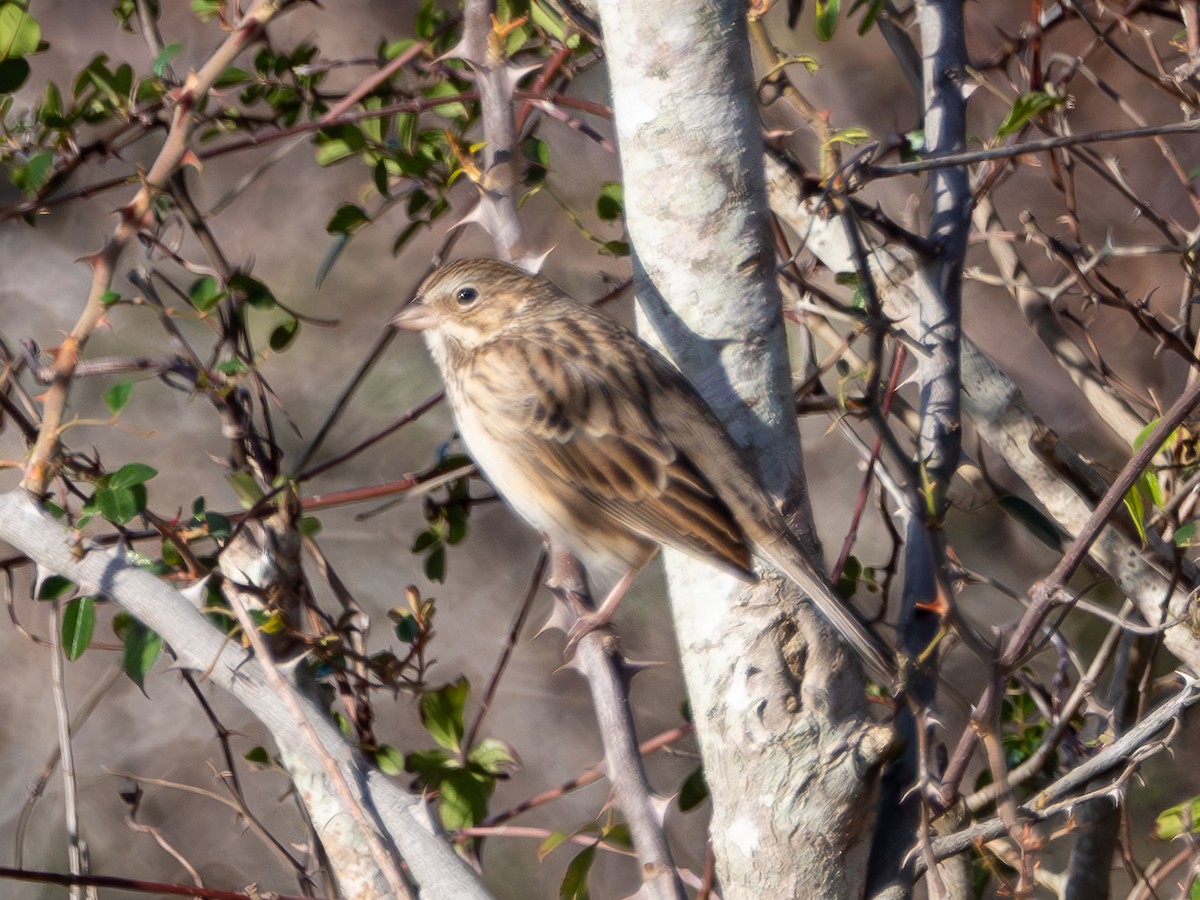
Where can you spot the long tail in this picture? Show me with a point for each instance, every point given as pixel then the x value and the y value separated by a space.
pixel 787 556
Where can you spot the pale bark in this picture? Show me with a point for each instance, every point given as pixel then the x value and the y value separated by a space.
pixel 789 754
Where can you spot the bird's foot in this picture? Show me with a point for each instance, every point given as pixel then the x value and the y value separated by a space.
pixel 582 627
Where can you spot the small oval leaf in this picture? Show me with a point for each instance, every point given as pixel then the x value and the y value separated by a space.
pixel 78 623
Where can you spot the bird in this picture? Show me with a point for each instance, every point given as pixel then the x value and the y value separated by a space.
pixel 596 440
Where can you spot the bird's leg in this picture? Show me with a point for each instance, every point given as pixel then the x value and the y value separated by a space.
pixel 567 577
pixel 589 622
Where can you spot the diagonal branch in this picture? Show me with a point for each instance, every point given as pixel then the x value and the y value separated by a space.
pixel 402 818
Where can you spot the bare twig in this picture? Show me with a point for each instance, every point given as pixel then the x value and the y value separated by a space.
pixel 66 751
pixel 1038 146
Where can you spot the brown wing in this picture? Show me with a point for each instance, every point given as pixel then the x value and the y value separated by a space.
pixel 583 387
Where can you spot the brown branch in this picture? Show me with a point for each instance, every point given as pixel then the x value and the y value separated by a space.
pixel 135 215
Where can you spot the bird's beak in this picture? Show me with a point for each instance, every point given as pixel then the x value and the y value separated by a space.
pixel 415 316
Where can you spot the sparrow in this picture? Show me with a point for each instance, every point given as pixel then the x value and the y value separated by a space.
pixel 598 442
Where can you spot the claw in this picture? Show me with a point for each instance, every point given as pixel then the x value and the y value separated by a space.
pixel 582 627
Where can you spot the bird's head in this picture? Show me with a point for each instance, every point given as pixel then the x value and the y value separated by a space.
pixel 472 300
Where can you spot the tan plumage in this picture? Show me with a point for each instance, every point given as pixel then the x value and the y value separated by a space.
pixel 599 442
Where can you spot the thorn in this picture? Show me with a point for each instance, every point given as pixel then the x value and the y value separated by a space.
pixel 629 668
pixel 458 51
pixel 532 263
pixel 560 619
pixel 196 594
pixel 661 805
pixel 485 216
pixel 189 158
pixel 568 664
pixel 91 259
pixel 513 74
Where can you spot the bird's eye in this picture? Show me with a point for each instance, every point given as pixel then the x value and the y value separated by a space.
pixel 466 296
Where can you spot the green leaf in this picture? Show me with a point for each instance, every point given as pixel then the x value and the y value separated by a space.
pixel 389 759
pixel 246 488
pixel 142 647
pixel 852 135
pixel 442 713
pixel 111 86
pixel 1177 820
pixel 435 565
pixel 537 152
pixel 20 32
pixel 207 9
pixel 872 13
pixel 55 587
pixel 13 74
pixel 35 172
pixel 131 474
pixel 163 61
pixel 455 110
pixel 218 525
pixel 1141 436
pixel 407 627
pixel 205 293
pixel 456 519
pixel 251 290
pixel 547 18
pixel 339 142
pixel 693 792
pixel 257 756
pixel 124 10
pixel 429 19
pixel 462 800
pixel 553 840
pixel 392 49
pixel 574 884
pixel 430 765
pixel 110 298
pixel 120 505
pixel 1150 484
pixel 491 755
pixel 284 333
pixel 1185 534
pixel 618 833
pixel 78 623
pixel 347 218
pixel 610 205
pixel 1028 106
pixel 232 367
pixel 1136 507
pixel 826 18
pixel 117 396
pixel 847 582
